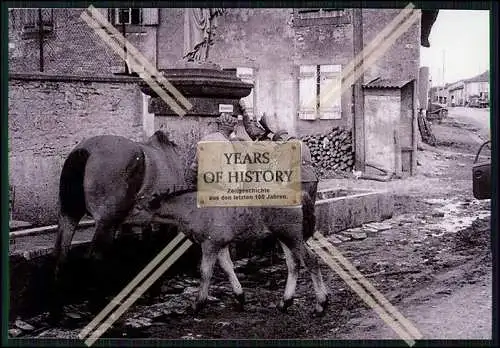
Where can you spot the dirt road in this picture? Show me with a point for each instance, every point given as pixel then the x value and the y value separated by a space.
pixel 474 117
pixel 432 261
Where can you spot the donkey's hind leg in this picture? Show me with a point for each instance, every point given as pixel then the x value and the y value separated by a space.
pixel 99 264
pixel 66 230
pixel 292 257
pixel 208 259
pixel 312 264
pixel 227 265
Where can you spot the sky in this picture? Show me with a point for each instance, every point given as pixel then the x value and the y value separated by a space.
pixel 463 38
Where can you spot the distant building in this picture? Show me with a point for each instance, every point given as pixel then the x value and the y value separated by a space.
pixel 461 92
pixel 439 94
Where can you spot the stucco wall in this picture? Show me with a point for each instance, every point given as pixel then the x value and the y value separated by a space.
pixel 402 59
pixel 47 118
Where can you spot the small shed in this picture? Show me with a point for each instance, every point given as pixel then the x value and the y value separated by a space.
pixel 390 125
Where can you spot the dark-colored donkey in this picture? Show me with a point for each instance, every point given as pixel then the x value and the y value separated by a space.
pixel 116 181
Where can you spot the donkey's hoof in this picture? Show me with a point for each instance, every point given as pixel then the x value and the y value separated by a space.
pixel 54 318
pixel 326 302
pixel 284 304
pixel 240 306
pixel 198 306
pixel 319 310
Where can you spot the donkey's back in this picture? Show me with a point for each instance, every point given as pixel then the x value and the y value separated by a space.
pixel 228 224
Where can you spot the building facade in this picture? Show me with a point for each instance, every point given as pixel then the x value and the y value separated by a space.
pixel 289 54
pixel 66 83
pixel 461 92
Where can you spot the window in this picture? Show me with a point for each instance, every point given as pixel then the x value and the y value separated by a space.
pixel 320 16
pixel 320 92
pixel 320 13
pixel 30 19
pixel 247 75
pixel 133 16
pixel 128 16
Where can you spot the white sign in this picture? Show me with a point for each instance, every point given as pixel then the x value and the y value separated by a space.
pixel 249 173
pixel 226 108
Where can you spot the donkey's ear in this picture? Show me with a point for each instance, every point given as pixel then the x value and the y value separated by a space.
pixel 161 136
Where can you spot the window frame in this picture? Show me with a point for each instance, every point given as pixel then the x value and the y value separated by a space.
pixel 115 16
pixel 30 24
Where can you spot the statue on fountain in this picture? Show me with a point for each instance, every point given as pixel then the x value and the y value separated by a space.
pixel 199 31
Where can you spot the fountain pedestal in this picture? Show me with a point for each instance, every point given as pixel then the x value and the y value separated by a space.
pixel 206 86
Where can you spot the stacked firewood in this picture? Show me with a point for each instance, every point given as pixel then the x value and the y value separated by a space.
pixel 332 150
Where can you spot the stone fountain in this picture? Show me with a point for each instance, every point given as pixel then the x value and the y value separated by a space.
pixel 203 83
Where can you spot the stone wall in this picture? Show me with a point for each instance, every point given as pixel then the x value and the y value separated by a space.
pixel 48 116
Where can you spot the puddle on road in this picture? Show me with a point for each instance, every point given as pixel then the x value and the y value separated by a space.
pixel 457 214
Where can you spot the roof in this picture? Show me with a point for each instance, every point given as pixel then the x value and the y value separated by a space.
pixel 426 22
pixel 386 83
pixel 484 77
pixel 457 86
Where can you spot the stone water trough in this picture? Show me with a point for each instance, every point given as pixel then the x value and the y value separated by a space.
pixel 31 266
pixel 340 209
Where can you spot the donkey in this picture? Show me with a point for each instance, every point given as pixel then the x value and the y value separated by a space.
pixel 214 228
pixel 107 177
pixel 117 180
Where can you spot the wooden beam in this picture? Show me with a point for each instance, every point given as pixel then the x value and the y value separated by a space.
pixel 45 230
pixel 358 99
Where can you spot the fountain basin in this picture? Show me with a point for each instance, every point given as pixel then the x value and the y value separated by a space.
pixel 340 209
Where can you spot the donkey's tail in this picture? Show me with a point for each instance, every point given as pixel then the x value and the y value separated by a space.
pixel 71 193
pixel 72 207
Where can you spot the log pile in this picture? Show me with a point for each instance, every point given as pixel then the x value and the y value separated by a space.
pixel 331 151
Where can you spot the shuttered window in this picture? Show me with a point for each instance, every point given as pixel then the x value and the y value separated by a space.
pixel 330 92
pixel 320 92
pixel 307 92
pixel 247 75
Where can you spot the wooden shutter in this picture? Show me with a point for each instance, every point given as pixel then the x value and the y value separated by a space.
pixel 330 92
pixel 247 75
pixel 307 92
pixel 150 16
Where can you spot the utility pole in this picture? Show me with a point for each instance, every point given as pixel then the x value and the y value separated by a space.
pixel 40 36
pixel 444 82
